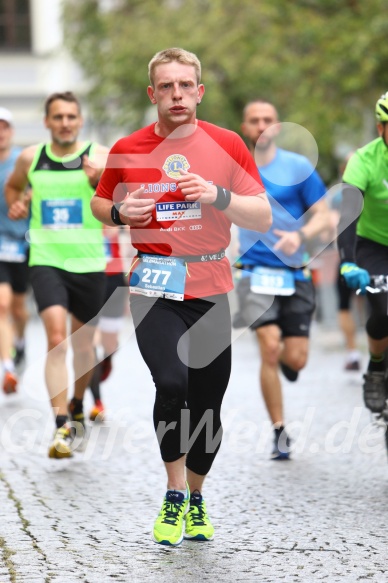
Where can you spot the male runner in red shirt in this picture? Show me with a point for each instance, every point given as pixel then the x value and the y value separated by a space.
pixel 179 184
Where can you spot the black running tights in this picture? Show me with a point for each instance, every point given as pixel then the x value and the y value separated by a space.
pixel 186 346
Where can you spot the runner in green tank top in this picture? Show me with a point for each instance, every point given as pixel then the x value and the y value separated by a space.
pixel 363 246
pixel 63 231
pixel 67 260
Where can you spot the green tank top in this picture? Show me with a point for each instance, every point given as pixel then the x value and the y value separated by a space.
pixel 63 231
pixel 367 169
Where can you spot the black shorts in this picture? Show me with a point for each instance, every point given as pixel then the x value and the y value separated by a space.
pixel 16 275
pixel 82 294
pixel 372 256
pixel 116 296
pixel 292 314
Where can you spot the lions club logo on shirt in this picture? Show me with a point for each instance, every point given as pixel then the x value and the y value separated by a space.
pixel 173 164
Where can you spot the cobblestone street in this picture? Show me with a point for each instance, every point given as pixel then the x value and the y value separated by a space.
pixel 319 517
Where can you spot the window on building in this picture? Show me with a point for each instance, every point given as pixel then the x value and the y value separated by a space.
pixel 15 25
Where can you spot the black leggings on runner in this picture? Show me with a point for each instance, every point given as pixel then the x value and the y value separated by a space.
pixel 374 258
pixel 183 392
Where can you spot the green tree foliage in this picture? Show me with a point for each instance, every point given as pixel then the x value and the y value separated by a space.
pixel 322 62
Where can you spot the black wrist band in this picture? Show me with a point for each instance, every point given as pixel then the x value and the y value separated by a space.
pixel 223 198
pixel 115 214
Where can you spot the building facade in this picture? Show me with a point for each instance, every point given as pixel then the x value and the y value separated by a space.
pixel 35 63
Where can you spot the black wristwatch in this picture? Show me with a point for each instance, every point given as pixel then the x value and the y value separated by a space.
pixel 115 214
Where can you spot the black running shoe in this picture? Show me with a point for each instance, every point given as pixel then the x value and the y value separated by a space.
pixel 353 365
pixel 19 358
pixel 281 445
pixel 375 390
pixel 289 373
pixel 78 428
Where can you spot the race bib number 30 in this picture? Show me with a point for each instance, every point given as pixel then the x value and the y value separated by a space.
pixel 274 281
pixel 159 277
pixel 62 214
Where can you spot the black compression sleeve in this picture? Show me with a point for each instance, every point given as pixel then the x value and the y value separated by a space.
pixel 351 208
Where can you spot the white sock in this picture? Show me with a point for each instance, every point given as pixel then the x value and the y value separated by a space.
pixel 8 365
pixel 353 355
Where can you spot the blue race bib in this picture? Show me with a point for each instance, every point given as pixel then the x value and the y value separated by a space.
pixel 157 276
pixel 62 214
pixel 12 250
pixel 272 280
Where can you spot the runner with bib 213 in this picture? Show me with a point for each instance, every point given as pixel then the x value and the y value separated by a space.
pixel 275 291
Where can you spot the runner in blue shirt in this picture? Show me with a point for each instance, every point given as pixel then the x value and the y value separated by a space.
pixel 13 266
pixel 276 292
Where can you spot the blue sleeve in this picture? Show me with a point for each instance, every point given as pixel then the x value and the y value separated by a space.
pixel 313 189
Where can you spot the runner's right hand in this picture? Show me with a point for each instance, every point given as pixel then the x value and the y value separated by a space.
pixel 137 210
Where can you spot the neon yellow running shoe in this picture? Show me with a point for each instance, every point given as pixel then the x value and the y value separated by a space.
pixel 61 445
pixel 79 430
pixel 168 527
pixel 198 525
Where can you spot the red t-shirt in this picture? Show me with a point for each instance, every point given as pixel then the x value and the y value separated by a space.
pixel 179 227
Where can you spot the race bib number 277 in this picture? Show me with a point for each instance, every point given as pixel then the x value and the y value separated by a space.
pixel 159 276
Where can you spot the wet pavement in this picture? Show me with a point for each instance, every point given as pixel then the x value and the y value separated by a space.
pixel 319 517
